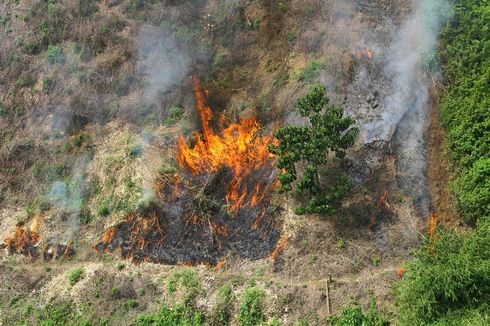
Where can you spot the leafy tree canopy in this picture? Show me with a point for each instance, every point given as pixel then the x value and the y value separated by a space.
pixel 311 146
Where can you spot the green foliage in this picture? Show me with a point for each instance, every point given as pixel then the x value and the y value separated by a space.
pixel 87 7
pixel 76 275
pixel 221 313
pixel 48 85
pixel 185 278
pixel 311 71
pixel 58 314
pixel 251 310
pixel 185 313
pixel 25 81
pixel 281 80
pixel 472 191
pixel 174 115
pixel 134 5
pixel 54 54
pixel 354 316
pixel 328 132
pixel 178 315
pixel 281 7
pixel 115 292
pixel 465 107
pixel 291 36
pixel 448 280
pixel 104 207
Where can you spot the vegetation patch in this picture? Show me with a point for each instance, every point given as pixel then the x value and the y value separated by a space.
pixel 76 275
pixel 251 310
pixel 465 107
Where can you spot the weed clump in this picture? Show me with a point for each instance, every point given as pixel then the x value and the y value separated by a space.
pixel 251 311
pixel 54 54
pixel 76 275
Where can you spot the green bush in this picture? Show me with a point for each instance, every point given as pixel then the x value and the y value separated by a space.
pixel 354 316
pixel 59 314
pixel 184 313
pixel 179 314
pixel 251 310
pixel 465 112
pixel 76 275
pixel 25 81
pixel 174 115
pixel 221 313
pixel 186 278
pixel 472 191
pixel 449 278
pixel 281 7
pixel 311 71
pixel 54 54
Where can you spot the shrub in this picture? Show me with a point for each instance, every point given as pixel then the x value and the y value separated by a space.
pixel 449 278
pixel 311 71
pixel 251 310
pixel 134 5
pixel 115 292
pixel 176 315
pixel 76 275
pixel 184 313
pixel 281 7
pixel 472 191
pixel 54 54
pixel 354 316
pixel 174 115
pixel 48 85
pixel 186 278
pixel 25 81
pixel 291 36
pixel 465 107
pixel 104 207
pixel 221 313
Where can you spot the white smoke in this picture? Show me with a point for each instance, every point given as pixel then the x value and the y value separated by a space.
pixel 162 61
pixel 403 67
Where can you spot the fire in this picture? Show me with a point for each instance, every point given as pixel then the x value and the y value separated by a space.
pixel 138 231
pixel 383 200
pixel 281 244
pixel 381 204
pixel 400 272
pixel 365 53
pixel 220 264
pixel 239 148
pixel 24 240
pixel 432 225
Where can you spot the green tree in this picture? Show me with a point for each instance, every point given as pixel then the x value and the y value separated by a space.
pixel 310 146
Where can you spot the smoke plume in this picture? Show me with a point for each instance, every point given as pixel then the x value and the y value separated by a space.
pixel 407 106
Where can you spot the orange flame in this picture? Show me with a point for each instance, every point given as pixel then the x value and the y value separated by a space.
pixel 400 272
pixel 220 264
pixel 383 200
pixel 239 148
pixel 139 231
pixel 365 53
pixel 279 248
pixel 23 239
pixel 382 203
pixel 433 222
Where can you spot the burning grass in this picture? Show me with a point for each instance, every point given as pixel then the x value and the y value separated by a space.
pixel 218 204
pixel 24 240
pixel 239 148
